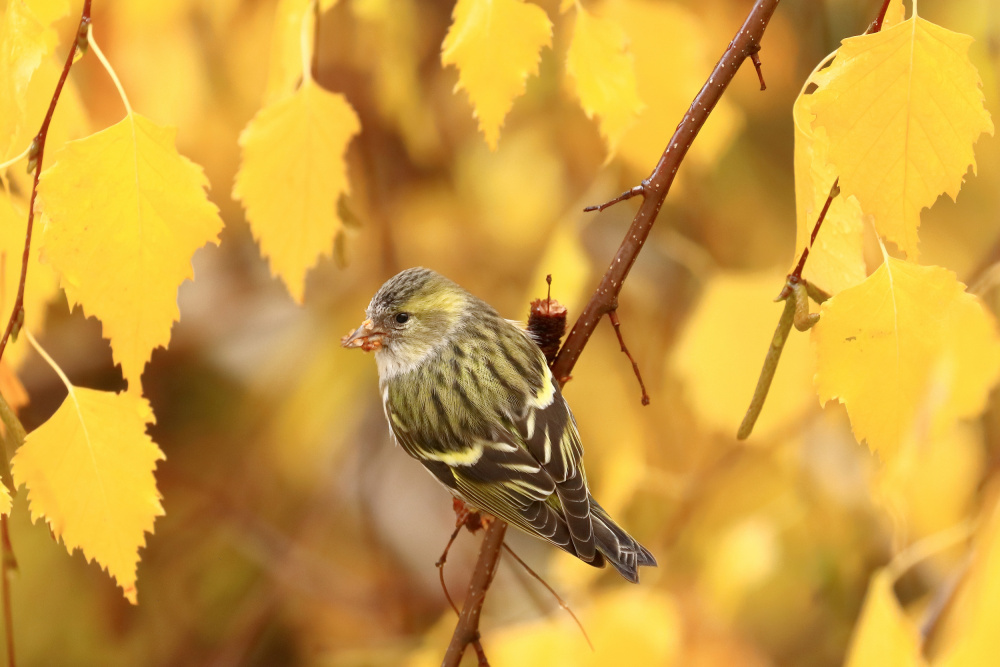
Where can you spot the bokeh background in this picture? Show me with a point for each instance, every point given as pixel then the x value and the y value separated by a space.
pixel 296 533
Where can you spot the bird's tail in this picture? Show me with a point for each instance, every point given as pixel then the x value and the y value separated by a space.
pixel 620 548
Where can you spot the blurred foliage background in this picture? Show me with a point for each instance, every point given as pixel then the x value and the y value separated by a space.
pixel 296 533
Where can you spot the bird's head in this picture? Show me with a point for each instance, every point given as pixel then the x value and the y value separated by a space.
pixel 410 316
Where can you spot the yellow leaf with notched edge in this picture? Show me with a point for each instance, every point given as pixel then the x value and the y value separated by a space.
pixel 125 212
pixel 496 46
pixel 884 636
pixel 292 174
pixel 908 351
pixel 601 64
pixel 26 36
pixel 903 108
pixel 89 472
pixel 836 259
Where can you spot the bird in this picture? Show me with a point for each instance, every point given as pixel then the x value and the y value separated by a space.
pixel 469 394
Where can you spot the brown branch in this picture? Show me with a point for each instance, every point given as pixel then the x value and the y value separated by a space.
pixel 654 189
pixel 35 159
pixel 467 628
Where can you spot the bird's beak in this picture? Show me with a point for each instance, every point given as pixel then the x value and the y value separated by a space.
pixel 367 337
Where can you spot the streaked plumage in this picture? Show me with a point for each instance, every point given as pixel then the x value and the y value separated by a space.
pixel 469 395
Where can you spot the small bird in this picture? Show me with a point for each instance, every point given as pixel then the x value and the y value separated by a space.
pixel 469 395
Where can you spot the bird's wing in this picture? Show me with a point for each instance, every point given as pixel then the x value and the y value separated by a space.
pixel 550 436
pixel 493 473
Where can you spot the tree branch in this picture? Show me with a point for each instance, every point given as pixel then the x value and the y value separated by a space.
pixel 467 629
pixel 35 156
pixel 654 189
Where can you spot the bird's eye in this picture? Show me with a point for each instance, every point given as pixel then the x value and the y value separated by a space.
pixel 402 318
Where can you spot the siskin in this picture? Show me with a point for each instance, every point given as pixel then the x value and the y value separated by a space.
pixel 469 395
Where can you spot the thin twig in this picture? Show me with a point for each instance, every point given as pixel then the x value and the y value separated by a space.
pixel 834 192
pixel 755 59
pixel 440 566
pixel 562 603
pixel 613 316
pixel 7 566
pixel 36 154
pixel 655 188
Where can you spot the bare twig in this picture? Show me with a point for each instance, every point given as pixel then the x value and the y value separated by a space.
pixel 7 567
pixel 654 189
pixel 562 603
pixel 613 316
pixel 755 59
pixel 35 158
pixel 440 566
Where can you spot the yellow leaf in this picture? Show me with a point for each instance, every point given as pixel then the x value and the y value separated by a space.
pixel 89 472
pixel 836 259
pixel 125 213
pixel 907 351
pixel 884 636
pixel 903 108
pixel 969 636
pixel 722 347
pixel 601 64
pixel 496 45
pixel 660 33
pixel 293 173
pixel 25 37
pixel 42 283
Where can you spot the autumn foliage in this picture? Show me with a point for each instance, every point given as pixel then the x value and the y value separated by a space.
pixel 221 188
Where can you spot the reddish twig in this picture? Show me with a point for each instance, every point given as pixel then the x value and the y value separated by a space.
pixel 613 316
pixel 440 566
pixel 755 59
pixel 834 191
pixel 7 567
pixel 654 189
pixel 35 159
pixel 877 23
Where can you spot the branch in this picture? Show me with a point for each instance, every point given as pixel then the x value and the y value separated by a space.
pixel 467 629
pixel 36 153
pixel 654 189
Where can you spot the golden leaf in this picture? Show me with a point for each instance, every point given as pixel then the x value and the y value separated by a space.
pixel 602 66
pixel 903 108
pixel 908 351
pixel 89 472
pixel 125 212
pixel 496 46
pixel 292 174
